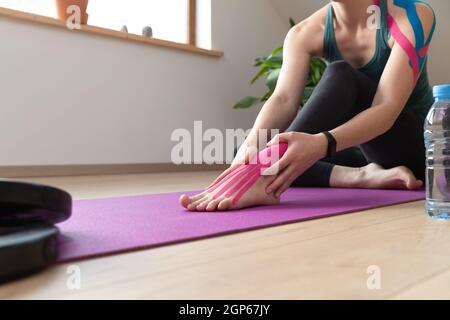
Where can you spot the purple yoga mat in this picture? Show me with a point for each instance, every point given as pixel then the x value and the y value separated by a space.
pixel 105 226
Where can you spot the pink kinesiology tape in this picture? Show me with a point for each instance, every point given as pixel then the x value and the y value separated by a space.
pixel 416 54
pixel 241 179
pixel 406 45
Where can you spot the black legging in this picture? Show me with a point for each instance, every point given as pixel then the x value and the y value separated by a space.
pixel 343 93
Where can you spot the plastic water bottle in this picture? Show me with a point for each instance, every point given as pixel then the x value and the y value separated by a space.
pixel 437 144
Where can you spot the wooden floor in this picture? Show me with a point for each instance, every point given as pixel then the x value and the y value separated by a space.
pixel 326 258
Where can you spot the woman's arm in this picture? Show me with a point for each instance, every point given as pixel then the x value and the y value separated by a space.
pixel 281 108
pixel 301 43
pixel 279 111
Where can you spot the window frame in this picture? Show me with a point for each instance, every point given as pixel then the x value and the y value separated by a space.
pixel 190 46
pixel 192 22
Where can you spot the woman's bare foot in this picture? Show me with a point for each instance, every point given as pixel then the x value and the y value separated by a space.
pixel 374 176
pixel 255 196
pixel 371 176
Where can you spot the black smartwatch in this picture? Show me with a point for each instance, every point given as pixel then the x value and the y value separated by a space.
pixel 331 149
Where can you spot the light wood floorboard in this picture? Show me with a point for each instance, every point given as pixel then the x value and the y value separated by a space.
pixel 325 258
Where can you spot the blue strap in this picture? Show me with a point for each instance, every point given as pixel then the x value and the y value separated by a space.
pixel 413 17
pixel 433 27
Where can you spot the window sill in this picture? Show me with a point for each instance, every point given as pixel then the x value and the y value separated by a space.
pixel 107 32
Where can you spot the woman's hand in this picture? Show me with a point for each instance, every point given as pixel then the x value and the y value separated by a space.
pixel 303 151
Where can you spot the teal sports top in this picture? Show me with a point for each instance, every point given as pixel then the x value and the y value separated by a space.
pixel 421 98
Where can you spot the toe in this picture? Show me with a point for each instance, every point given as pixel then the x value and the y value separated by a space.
pixel 198 196
pixel 193 205
pixel 202 206
pixel 225 204
pixel 417 184
pixel 212 206
pixel 407 178
pixel 185 200
pixel 410 180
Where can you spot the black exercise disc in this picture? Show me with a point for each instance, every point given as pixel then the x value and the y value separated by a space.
pixel 25 204
pixel 26 250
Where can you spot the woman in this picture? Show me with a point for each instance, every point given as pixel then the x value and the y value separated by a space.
pixel 363 125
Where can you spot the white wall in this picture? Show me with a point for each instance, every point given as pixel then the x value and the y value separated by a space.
pixel 73 98
pixel 440 51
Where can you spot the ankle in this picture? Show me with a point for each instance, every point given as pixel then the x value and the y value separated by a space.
pixel 345 177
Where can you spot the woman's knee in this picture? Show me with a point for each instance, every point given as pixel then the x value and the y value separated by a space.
pixel 340 68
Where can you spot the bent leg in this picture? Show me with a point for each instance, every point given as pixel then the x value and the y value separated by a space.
pixel 402 145
pixel 342 94
pixel 339 96
pixel 319 175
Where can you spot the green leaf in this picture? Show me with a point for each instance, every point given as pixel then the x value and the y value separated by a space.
pixel 317 75
pixel 271 62
pixel 321 64
pixel 292 22
pixel 264 69
pixel 307 94
pixel 272 79
pixel 317 67
pixel 260 60
pixel 270 66
pixel 266 96
pixel 246 103
pixel 318 63
pixel 276 51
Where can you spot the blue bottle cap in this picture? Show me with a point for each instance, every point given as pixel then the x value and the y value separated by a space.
pixel 442 92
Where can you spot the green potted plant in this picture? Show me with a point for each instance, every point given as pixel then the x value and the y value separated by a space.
pixel 269 68
pixel 62 5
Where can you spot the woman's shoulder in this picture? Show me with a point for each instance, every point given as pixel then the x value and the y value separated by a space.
pixel 309 32
pixel 314 22
pixel 400 9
